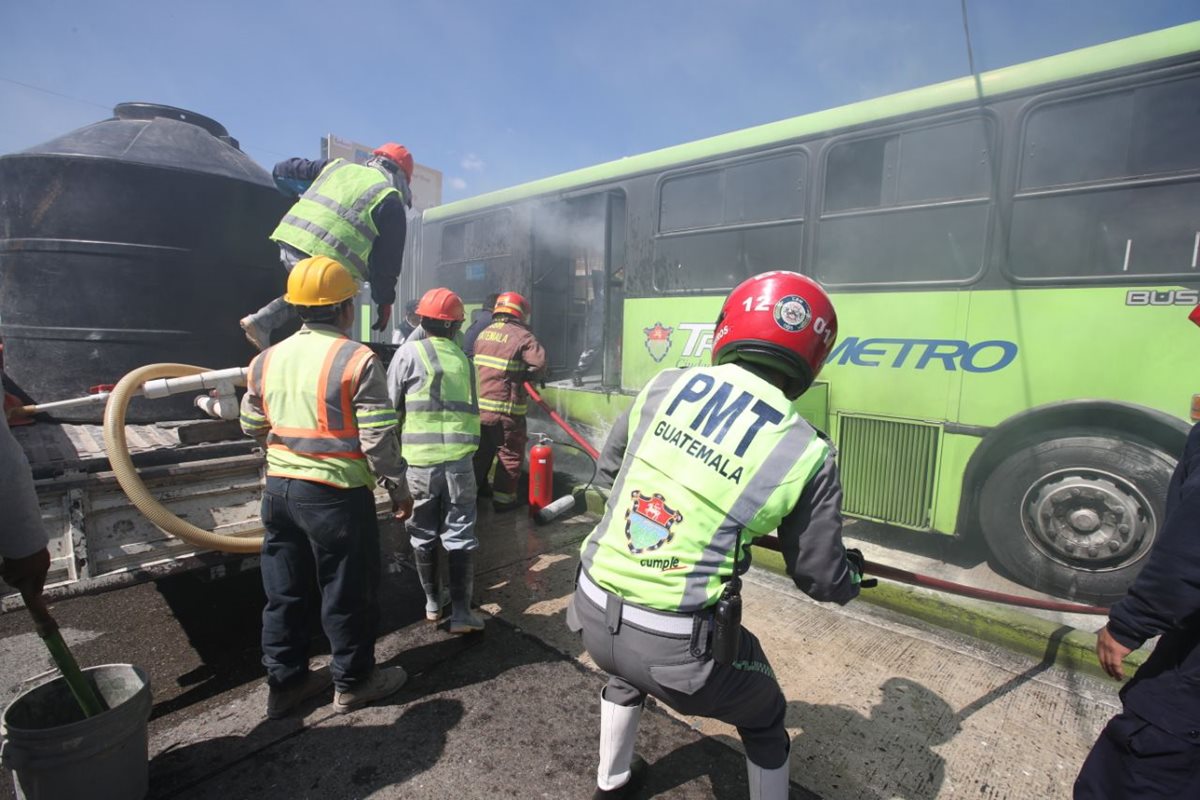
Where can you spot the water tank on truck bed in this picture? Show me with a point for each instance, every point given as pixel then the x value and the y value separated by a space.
pixel 139 239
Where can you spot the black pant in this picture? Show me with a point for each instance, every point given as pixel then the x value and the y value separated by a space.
pixel 1134 759
pixel 319 540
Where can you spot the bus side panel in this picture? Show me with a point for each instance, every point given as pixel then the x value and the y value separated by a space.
pixel 956 452
pixel 1079 342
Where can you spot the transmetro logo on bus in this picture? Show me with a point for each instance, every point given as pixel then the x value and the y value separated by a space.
pixel 990 355
pixel 658 341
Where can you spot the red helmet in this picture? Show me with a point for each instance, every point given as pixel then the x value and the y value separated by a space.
pixel 512 303
pixel 399 155
pixel 1195 315
pixel 780 319
pixel 441 304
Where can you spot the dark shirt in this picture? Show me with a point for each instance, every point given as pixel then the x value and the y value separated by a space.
pixel 481 320
pixel 1165 600
pixel 295 175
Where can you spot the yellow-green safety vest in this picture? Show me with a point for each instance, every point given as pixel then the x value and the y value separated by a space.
pixel 717 457
pixel 307 383
pixel 441 416
pixel 333 218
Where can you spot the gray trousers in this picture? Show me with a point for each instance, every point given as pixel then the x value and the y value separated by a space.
pixel 279 312
pixel 678 671
pixel 443 505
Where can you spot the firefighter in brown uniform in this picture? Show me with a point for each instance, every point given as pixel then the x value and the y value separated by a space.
pixel 506 355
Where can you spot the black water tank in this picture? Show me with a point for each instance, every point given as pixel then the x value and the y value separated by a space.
pixel 136 240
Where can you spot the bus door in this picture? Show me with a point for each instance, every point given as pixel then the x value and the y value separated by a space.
pixel 577 295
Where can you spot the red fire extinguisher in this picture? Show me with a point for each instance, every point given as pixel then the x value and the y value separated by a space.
pixel 541 476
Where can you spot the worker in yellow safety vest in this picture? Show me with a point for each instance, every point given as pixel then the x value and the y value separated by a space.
pixel 353 213
pixel 432 384
pixel 706 460
pixel 319 402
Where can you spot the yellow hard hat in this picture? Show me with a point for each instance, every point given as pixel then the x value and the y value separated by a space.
pixel 319 281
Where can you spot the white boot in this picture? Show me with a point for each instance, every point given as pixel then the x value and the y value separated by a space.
pixel 768 784
pixel 618 732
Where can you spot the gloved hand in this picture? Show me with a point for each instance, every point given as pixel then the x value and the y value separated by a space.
pixel 857 564
pixel 27 575
pixel 383 318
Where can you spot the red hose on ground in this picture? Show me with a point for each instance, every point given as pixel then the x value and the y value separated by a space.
pixel 873 569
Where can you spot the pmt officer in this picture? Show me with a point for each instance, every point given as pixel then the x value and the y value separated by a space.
pixel 707 460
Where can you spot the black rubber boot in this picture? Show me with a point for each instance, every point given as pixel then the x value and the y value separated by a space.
pixel 462 584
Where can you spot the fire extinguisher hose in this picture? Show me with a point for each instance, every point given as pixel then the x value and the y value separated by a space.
pixel 874 569
pixel 562 423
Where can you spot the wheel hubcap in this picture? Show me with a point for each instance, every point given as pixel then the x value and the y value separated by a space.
pixel 1088 519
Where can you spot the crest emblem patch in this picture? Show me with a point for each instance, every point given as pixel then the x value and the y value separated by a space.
pixel 658 341
pixel 648 522
pixel 792 313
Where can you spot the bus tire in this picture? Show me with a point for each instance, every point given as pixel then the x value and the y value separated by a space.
pixel 1075 516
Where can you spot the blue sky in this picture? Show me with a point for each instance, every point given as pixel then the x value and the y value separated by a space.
pixel 500 92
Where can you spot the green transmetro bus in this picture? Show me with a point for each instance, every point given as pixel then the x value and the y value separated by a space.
pixel 1012 259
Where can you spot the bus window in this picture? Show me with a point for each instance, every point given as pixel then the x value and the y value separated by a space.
pixel 719 226
pixel 691 201
pixel 1110 185
pixel 475 256
pixel 908 207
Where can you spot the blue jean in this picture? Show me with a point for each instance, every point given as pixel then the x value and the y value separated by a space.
pixel 321 542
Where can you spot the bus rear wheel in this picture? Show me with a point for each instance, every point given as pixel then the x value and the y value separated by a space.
pixel 1075 516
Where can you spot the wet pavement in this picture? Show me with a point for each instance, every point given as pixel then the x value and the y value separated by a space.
pixel 879 706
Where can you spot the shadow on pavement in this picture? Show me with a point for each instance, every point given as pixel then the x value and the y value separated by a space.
pixel 368 757
pixel 887 753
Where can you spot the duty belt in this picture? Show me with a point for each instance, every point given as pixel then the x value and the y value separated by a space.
pixel 646 618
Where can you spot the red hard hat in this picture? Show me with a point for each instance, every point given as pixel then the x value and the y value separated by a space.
pixel 399 154
pixel 512 303
pixel 441 304
pixel 1195 315
pixel 780 319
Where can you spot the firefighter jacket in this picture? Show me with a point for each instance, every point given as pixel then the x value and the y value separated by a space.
pixel 506 355
pixel 432 385
pixel 336 217
pixel 320 402
pixel 707 460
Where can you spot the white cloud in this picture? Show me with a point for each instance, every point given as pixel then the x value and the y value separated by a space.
pixel 472 162
pixel 458 183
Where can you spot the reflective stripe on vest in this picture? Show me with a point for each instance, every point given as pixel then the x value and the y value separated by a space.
pixel 716 457
pixel 307 383
pixel 441 420
pixel 333 218
pixel 502 406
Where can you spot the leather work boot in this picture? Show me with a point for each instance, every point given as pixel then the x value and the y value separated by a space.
pixel 254 334
pixel 281 702
pixel 426 559
pixel 384 682
pixel 462 584
pixel 619 773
